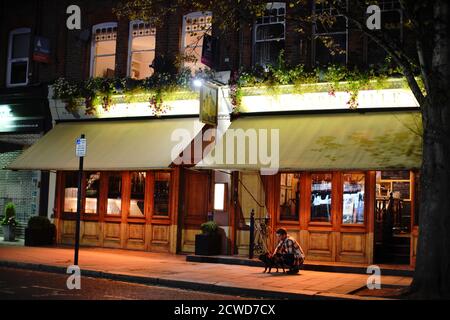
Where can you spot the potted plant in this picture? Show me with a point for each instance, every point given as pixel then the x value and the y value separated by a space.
pixel 208 243
pixel 39 232
pixel 9 223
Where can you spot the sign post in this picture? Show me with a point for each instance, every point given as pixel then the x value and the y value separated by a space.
pixel 80 150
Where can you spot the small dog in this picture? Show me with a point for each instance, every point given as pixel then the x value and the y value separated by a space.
pixel 275 261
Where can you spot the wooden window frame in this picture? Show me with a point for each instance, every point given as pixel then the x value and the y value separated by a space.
pixel 130 47
pixel 94 43
pixel 11 60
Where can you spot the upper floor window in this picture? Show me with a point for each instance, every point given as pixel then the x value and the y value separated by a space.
pixel 195 26
pixel 330 35
pixel 103 51
pixel 18 57
pixel 141 49
pixel 269 34
pixel 392 25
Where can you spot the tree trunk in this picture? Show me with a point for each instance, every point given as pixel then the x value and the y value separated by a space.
pixel 432 274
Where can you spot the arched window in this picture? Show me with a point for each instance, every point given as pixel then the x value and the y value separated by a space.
pixel 269 34
pixel 18 57
pixel 195 26
pixel 141 49
pixel 103 50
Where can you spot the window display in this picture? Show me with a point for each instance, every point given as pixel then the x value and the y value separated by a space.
pixel 92 192
pixel 353 198
pixel 321 186
pixel 137 194
pixel 289 196
pixel 114 194
pixel 161 194
pixel 70 192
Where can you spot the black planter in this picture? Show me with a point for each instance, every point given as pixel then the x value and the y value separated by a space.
pixel 207 244
pixel 39 237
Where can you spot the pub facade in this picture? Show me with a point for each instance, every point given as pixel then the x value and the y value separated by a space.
pixel 345 183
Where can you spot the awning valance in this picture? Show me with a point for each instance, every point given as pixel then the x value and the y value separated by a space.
pixel 345 141
pixel 111 145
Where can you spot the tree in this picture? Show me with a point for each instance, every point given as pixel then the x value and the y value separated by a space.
pixel 427 71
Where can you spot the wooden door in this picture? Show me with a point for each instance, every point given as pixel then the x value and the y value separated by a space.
pixel 196 190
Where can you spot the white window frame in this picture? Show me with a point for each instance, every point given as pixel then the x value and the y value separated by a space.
pixel 130 45
pixel 193 15
pixel 11 60
pixel 93 43
pixel 269 5
pixel 317 34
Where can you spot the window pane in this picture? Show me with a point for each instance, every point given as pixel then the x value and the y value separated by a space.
pixel 267 52
pixel 219 196
pixel 140 64
pixel 20 46
pixel 92 192
pixel 161 194
pixel 321 187
pixel 104 66
pixel 114 194
pixel 19 72
pixel 137 194
pixel 143 43
pixel 270 31
pixel 70 191
pixel 333 52
pixel 195 28
pixel 353 198
pixel 105 47
pixel 289 196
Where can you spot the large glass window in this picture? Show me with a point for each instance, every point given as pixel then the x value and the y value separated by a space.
pixel 195 26
pixel 353 198
pixel 330 35
pixel 92 192
pixel 269 34
pixel 70 192
pixel 114 205
pixel 18 57
pixel 321 188
pixel 104 50
pixel 161 194
pixel 289 196
pixel 137 194
pixel 142 49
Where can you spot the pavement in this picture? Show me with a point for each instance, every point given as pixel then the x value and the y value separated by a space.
pixel 174 271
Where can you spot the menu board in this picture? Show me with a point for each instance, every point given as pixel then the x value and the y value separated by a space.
pixel 404 188
pixel 395 175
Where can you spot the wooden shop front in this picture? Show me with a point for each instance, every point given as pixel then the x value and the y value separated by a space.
pixel 346 185
pixel 130 186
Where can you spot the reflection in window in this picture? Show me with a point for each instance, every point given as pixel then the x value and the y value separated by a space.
pixel 114 194
pixel 104 50
pixel 195 26
pixel 321 187
pixel 353 198
pixel 161 194
pixel 70 191
pixel 142 50
pixel 137 194
pixel 92 192
pixel 270 34
pixel 289 196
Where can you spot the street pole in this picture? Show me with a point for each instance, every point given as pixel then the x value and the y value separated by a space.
pixel 80 152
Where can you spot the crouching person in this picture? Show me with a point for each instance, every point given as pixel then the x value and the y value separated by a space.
pixel 290 250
